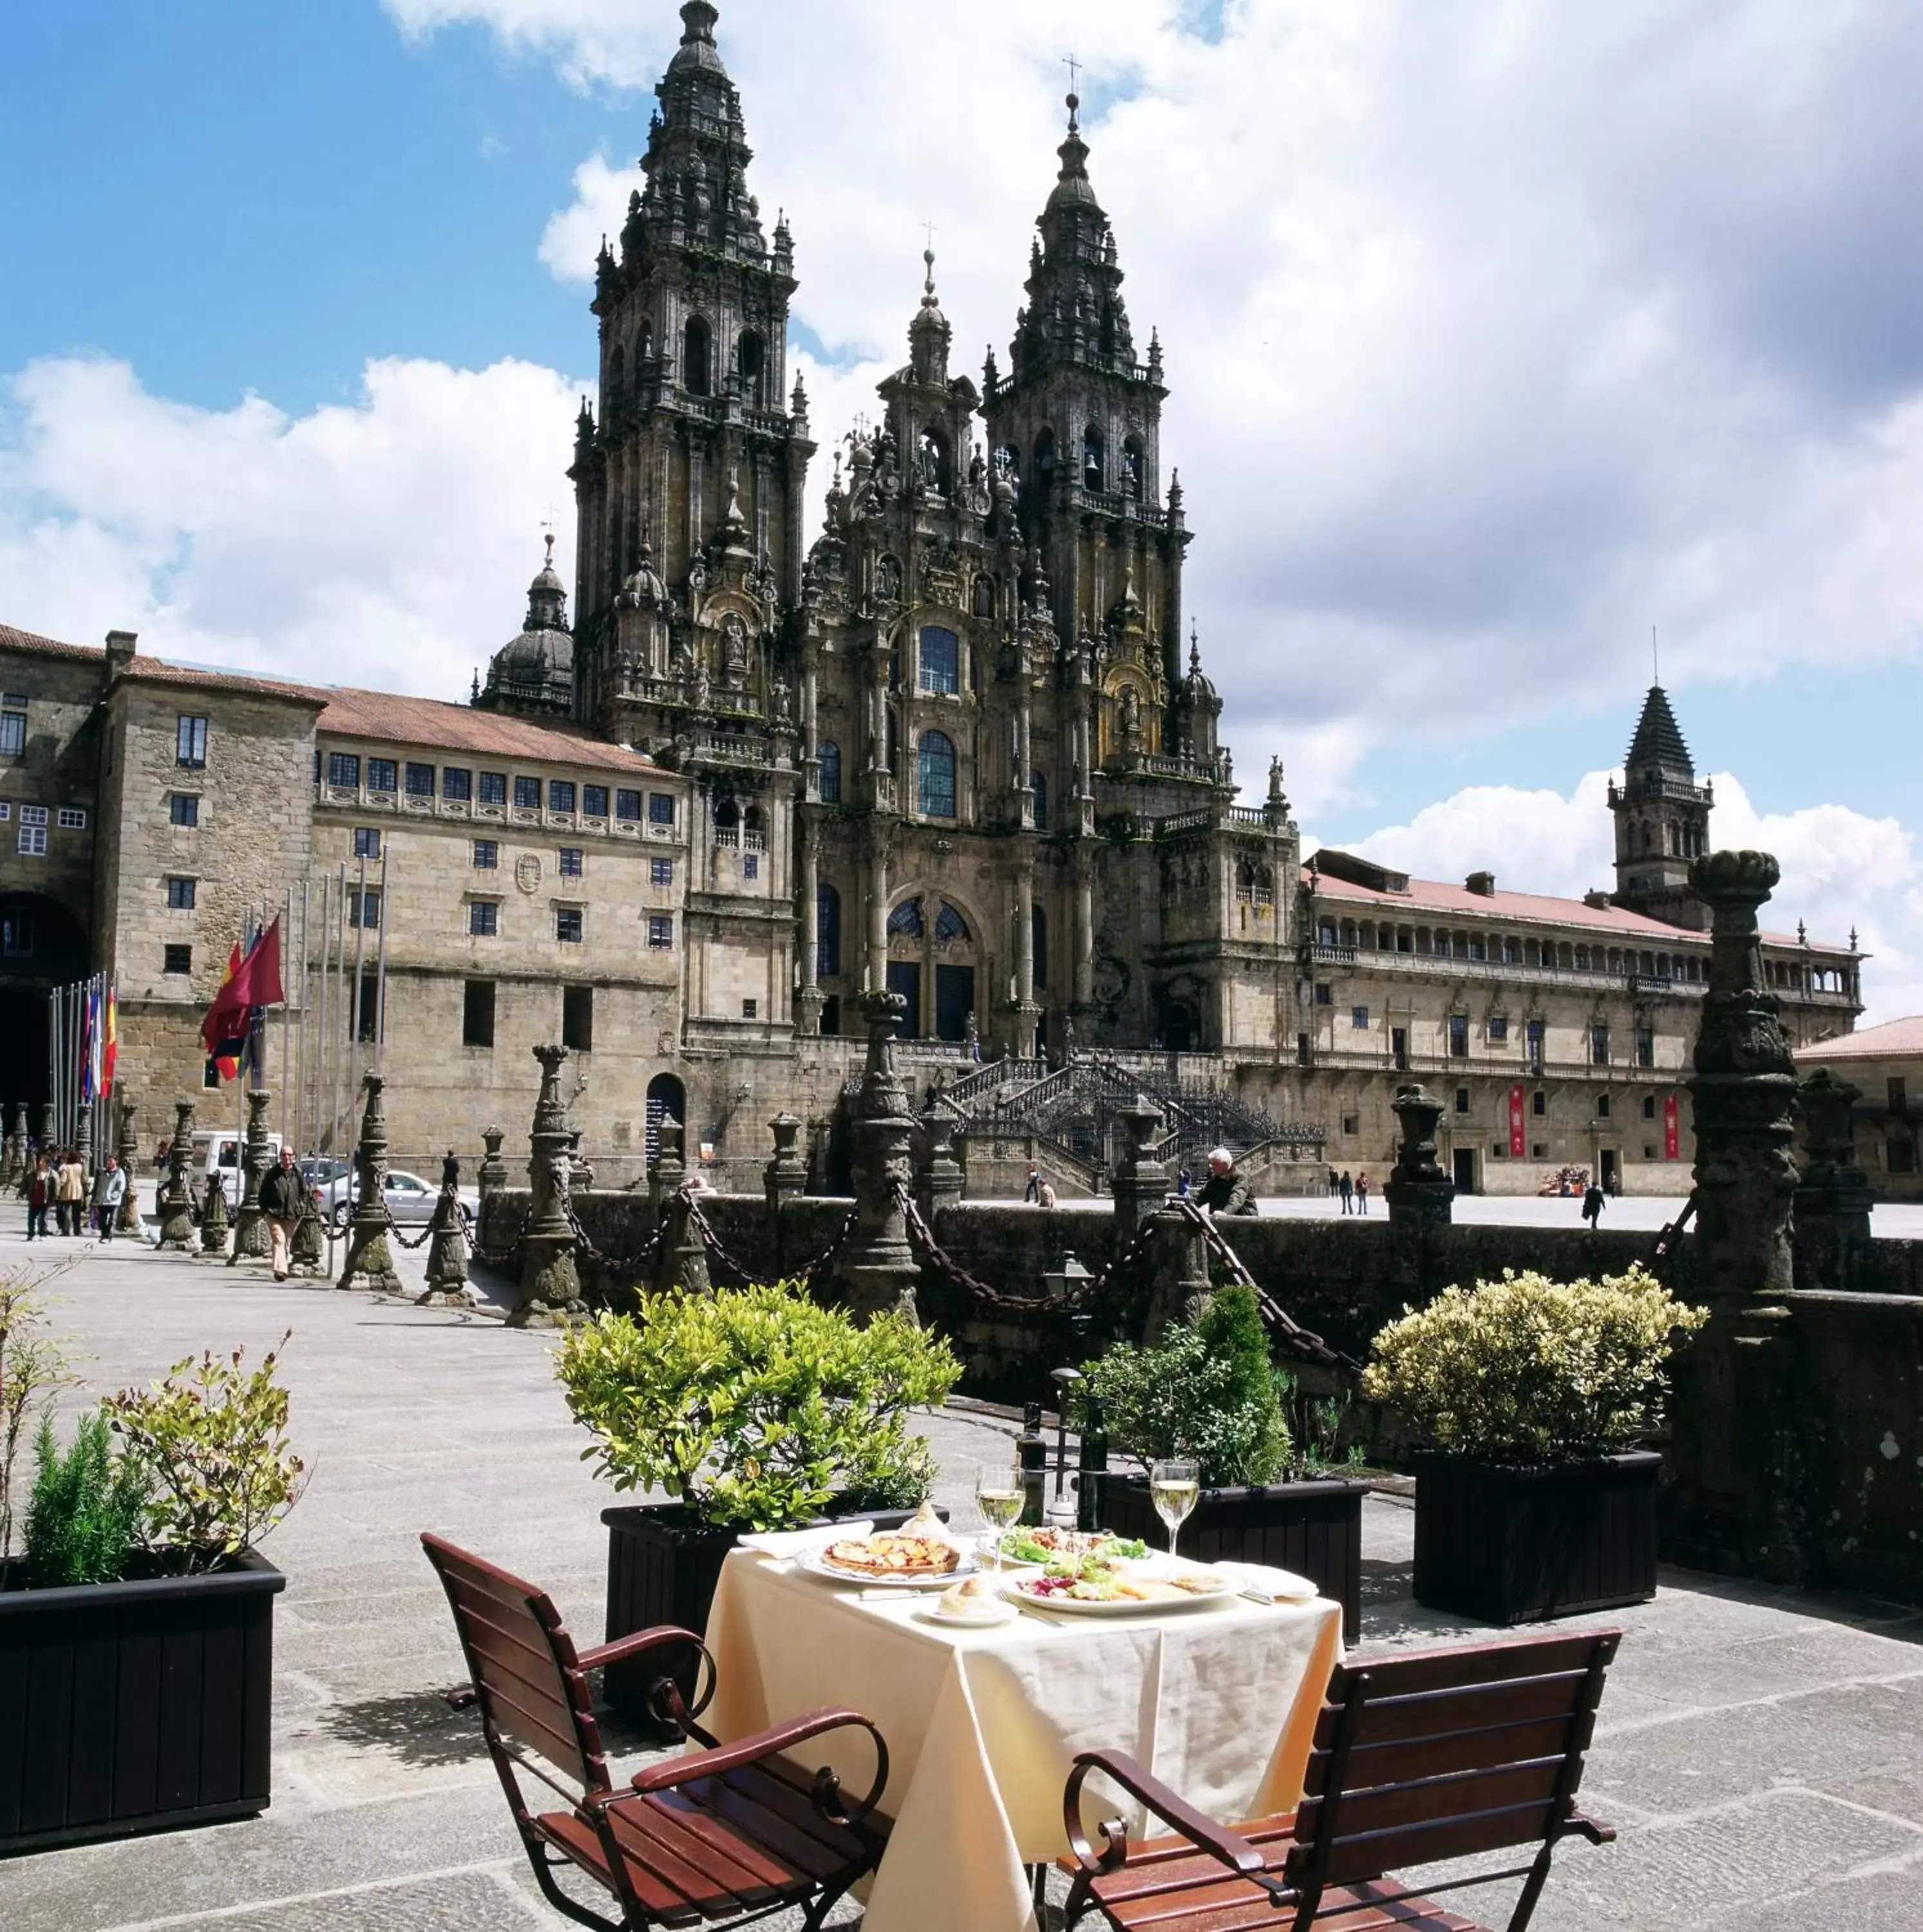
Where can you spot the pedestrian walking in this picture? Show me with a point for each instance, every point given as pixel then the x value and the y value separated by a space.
pixel 280 1207
pixel 109 1191
pixel 1033 1192
pixel 70 1195
pixel 1592 1206
pixel 40 1184
pixel 1362 1193
pixel 1345 1188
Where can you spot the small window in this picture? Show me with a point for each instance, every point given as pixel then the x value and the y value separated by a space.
pixel 1038 786
pixel 561 795
pixel 492 788
pixel 1458 1036
pixel 751 1009
pixel 380 775
pixel 477 1013
pixel 1351 1124
pixel 456 785
pixel 661 871
pixel 210 1075
pixel 1902 1157
pixel 1358 1018
pixel 1325 993
pixel 570 861
pixel 420 781
pixel 1498 1149
pixel 366 841
pixel 1648 1106
pixel 660 808
pixel 661 932
pixel 527 794
pixel 177 959
pixel 750 865
pixel 1462 1100
pixel 1539 1150
pixel 1538 1032
pixel 364 908
pixel 343 769
pixel 578 1018
pixel 1498 1029
pixel 6 810
pixel 184 808
pixel 567 924
pixel 486 855
pixel 12 734
pixel 828 759
pixel 32 842
pixel 190 743
pixel 483 918
pixel 627 806
pixel 71 818
pixel 1599 1046
pixel 941 661
pixel 594 801
pixel 367 1017
pixel 1093 466
pixel 1539 1104
pixel 1478 949
pixel 827 931
pixel 1645 1046
pixel 180 894
pixel 1602 1106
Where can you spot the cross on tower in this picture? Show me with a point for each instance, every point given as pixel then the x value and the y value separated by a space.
pixel 1074 67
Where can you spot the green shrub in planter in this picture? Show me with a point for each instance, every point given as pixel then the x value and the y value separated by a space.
pixel 1528 1370
pixel 756 1408
pixel 83 1517
pixel 1207 1391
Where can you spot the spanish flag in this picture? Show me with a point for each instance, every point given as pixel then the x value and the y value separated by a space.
pixel 226 1041
pixel 110 1040
pixel 252 983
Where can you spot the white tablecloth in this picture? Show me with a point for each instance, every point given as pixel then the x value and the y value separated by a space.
pixel 982 1725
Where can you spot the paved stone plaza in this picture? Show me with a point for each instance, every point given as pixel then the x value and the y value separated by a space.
pixel 1761 1751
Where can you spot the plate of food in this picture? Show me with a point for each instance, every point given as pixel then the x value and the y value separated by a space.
pixel 1036 1548
pixel 1102 1585
pixel 974 1600
pixel 899 1559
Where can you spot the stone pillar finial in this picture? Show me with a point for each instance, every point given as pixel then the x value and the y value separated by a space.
pixel 175 1204
pixel 1140 1181
pixel 1418 1191
pixel 669 1167
pixel 551 1288
pixel 447 1247
pixel 785 1177
pixel 251 1239
pixel 213 1222
pixel 128 1148
pixel 1830 1207
pixel 877 1266
pixel 370 1262
pixel 937 1172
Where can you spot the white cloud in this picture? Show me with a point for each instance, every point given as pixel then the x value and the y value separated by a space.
pixel 386 542
pixel 1840 867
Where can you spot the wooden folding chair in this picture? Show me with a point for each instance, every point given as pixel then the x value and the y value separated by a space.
pixel 726 1835
pixel 1418 1760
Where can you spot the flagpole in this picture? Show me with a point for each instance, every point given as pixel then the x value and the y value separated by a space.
pixel 286 1045
pixel 340 990
pixel 380 970
pixel 321 1007
pixel 360 955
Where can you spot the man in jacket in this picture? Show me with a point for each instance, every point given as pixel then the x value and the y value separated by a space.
pixel 1224 1192
pixel 109 1191
pixel 280 1207
pixel 40 1184
pixel 71 1195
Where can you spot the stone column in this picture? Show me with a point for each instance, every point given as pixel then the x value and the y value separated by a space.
pixel 876 964
pixel 175 1204
pixel 370 1262
pixel 83 1142
pixel 551 1288
pixel 250 1240
pixel 938 1182
pixel 447 1247
pixel 17 1145
pixel 877 1266
pixel 1831 1205
pixel 129 1149
pixel 668 1169
pixel 1085 930
pixel 1178 1263
pixel 213 1222
pixel 1141 1181
pixel 48 1127
pixel 807 885
pixel 1732 1443
pixel 785 1177
pixel 1026 1010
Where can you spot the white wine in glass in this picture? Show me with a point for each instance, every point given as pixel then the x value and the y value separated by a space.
pixel 999 1495
pixel 1175 1488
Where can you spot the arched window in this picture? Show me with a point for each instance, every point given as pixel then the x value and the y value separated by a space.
pixel 617 375
pixel 751 828
pixel 828 756
pixel 1045 458
pixel 937 789
pixel 941 661
pixel 1038 783
pixel 1038 944
pixel 985 596
pixel 748 360
pixel 1093 467
pixel 827 931
pixel 905 921
pixel 1132 469
pixel 696 374
pixel 948 923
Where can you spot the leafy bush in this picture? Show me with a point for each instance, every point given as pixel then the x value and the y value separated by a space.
pixel 755 1407
pixel 213 1440
pixel 83 1518
pixel 1526 1370
pixel 32 1366
pixel 1206 1390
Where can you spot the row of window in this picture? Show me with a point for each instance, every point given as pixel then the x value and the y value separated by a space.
pixel 1509 948
pixel 1497 1028
pixel 936 760
pixel 459 785
pixel 31 842
pixel 1095 472
pixel 483 922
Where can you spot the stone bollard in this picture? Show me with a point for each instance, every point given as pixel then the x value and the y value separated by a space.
pixel 369 1262
pixel 937 1173
pixel 580 1169
pixel 877 1266
pixel 49 1128
pixel 214 1223
pixel 785 1177
pixel 1178 1264
pixel 128 1219
pixel 1831 1208
pixel 551 1287
pixel 306 1252
pixel 251 1237
pixel 667 1170
pixel 1418 1194
pixel 492 1179
pixel 1141 1182
pixel 683 1261
pixel 447 1245
pixel 175 1204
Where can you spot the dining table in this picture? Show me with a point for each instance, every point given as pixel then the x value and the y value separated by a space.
pixel 1218 1698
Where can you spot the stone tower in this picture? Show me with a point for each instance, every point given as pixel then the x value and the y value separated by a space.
pixel 1662 821
pixel 1077 421
pixel 533 674
pixel 689 490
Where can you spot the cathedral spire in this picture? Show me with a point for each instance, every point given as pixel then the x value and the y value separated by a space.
pixel 929 335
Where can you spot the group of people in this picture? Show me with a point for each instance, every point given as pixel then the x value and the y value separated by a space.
pixel 1354 1190
pixel 57 1180
pixel 1224 1191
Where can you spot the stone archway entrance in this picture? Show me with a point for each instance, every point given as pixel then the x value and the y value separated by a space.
pixel 42 946
pixel 934 955
pixel 667 1099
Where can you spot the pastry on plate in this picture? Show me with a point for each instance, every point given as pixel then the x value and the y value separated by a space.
pixel 895 1553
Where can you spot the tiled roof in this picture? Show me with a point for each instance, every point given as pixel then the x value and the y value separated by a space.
pixel 28 641
pixel 1894 1040
pixel 157 671
pixel 1429 895
pixel 1659 738
pixel 460 727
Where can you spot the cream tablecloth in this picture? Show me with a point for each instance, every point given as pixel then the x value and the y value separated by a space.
pixel 982 1725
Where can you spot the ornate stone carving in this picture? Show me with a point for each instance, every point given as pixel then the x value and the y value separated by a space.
pixel 877 1266
pixel 370 1262
pixel 551 1288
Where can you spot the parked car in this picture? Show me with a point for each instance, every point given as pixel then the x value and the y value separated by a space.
pixel 319 1169
pixel 410 1198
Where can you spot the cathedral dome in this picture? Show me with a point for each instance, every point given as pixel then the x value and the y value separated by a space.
pixel 697 48
pixel 535 671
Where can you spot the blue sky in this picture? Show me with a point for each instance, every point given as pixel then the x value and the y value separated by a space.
pixel 1495 333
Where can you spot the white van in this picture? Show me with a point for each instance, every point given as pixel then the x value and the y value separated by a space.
pixel 218 1150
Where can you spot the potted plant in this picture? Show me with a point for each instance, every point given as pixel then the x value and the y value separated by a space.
pixel 1534 1499
pixel 137 1625
pixel 1209 1390
pixel 752 1408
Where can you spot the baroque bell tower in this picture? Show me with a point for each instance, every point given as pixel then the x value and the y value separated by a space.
pixel 688 486
pixel 1662 819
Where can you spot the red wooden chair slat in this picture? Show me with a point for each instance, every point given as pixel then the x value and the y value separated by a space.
pixel 753 1833
pixel 1423 1759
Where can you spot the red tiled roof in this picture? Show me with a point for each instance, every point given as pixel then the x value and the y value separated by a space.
pixel 1430 895
pixel 460 727
pixel 157 671
pixel 28 641
pixel 1894 1040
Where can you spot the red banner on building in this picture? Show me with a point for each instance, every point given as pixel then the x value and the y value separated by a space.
pixel 1672 1145
pixel 1516 1142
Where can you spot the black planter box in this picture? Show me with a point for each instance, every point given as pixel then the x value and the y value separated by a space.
pixel 662 1568
pixel 1313 1528
pixel 131 1707
pixel 1511 1545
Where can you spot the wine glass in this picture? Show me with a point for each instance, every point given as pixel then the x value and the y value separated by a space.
pixel 999 1495
pixel 1174 1487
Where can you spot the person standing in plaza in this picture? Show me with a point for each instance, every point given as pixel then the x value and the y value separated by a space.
pixel 1592 1206
pixel 40 1185
pixel 109 1191
pixel 1362 1192
pixel 71 1195
pixel 1033 1192
pixel 1345 1188
pixel 280 1207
